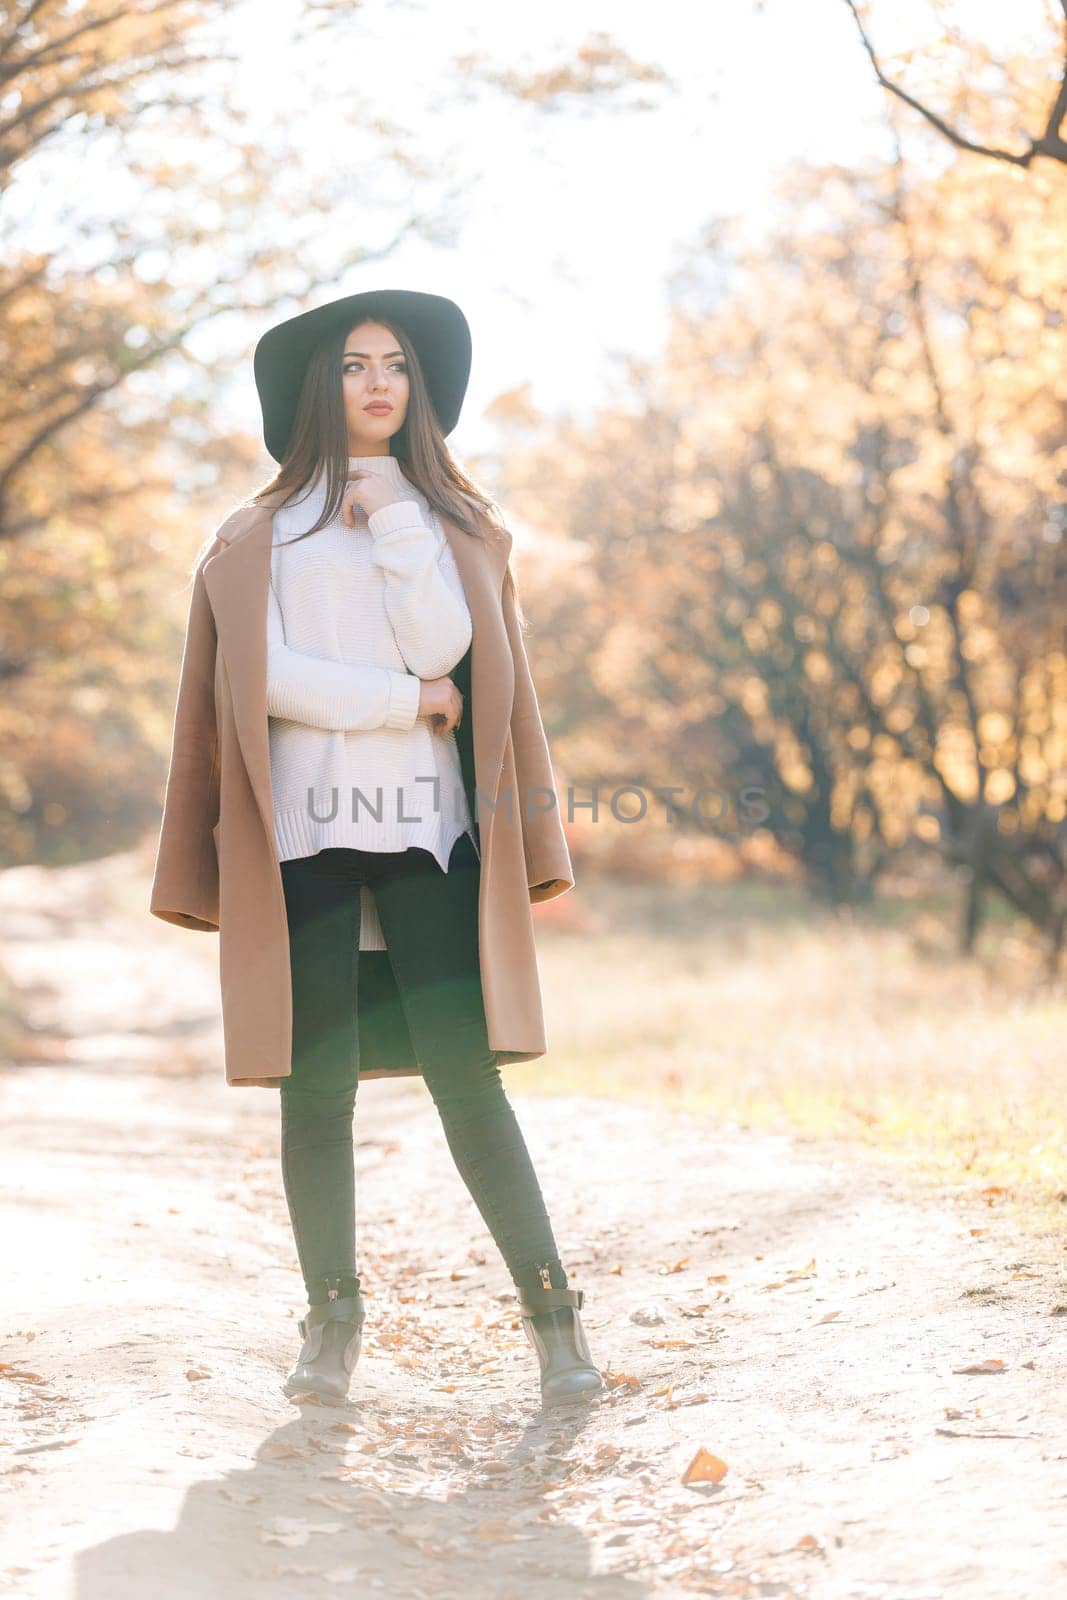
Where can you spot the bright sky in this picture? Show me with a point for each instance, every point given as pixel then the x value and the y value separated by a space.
pixel 567 225
pixel 570 224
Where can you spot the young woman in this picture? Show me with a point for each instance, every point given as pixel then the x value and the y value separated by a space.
pixel 367 845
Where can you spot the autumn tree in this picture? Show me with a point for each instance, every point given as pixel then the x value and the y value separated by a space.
pixel 826 534
pixel 115 450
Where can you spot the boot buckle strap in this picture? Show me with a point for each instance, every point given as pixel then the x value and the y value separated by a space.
pixel 534 1301
pixel 347 1309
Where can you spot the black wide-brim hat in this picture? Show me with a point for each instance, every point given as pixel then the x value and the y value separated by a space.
pixel 436 327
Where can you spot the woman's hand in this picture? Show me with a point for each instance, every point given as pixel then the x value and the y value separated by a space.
pixel 442 703
pixel 370 491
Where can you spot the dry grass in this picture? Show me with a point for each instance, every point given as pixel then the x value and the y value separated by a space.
pixel 751 1005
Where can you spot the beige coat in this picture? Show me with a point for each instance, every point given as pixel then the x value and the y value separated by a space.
pixel 217 864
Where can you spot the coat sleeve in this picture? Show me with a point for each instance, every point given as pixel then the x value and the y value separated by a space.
pixel 549 872
pixel 185 886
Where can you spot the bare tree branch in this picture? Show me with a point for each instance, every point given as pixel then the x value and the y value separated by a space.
pixel 1050 143
pixel 51 52
pixel 9 35
pixel 135 70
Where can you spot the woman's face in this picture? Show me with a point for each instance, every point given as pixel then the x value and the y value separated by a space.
pixel 373 373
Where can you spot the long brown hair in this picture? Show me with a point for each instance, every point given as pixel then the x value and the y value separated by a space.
pixel 320 436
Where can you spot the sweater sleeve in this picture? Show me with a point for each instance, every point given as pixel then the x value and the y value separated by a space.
pixel 333 694
pixel 424 595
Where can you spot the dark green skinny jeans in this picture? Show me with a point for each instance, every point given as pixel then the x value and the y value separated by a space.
pixel 430 922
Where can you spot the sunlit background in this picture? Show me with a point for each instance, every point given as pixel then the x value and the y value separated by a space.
pixel 769 382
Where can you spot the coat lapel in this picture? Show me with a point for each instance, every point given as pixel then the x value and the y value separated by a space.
pixel 236 579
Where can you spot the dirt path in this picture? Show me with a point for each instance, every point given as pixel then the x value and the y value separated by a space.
pixel 791 1309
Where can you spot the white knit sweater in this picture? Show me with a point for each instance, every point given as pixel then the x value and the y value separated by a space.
pixel 356 618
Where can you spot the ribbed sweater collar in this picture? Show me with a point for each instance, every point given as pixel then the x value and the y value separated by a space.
pixel 297 515
pixel 388 466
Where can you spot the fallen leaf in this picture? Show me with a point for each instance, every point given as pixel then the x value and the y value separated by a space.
pixel 620 1380
pixel 829 1317
pixel 193 1373
pixel 802 1272
pixel 293 1531
pixel 992 1365
pixel 332 1502
pixel 705 1468
pixel 497 1531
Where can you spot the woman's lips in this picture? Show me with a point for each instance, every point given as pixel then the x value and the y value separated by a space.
pixel 379 409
